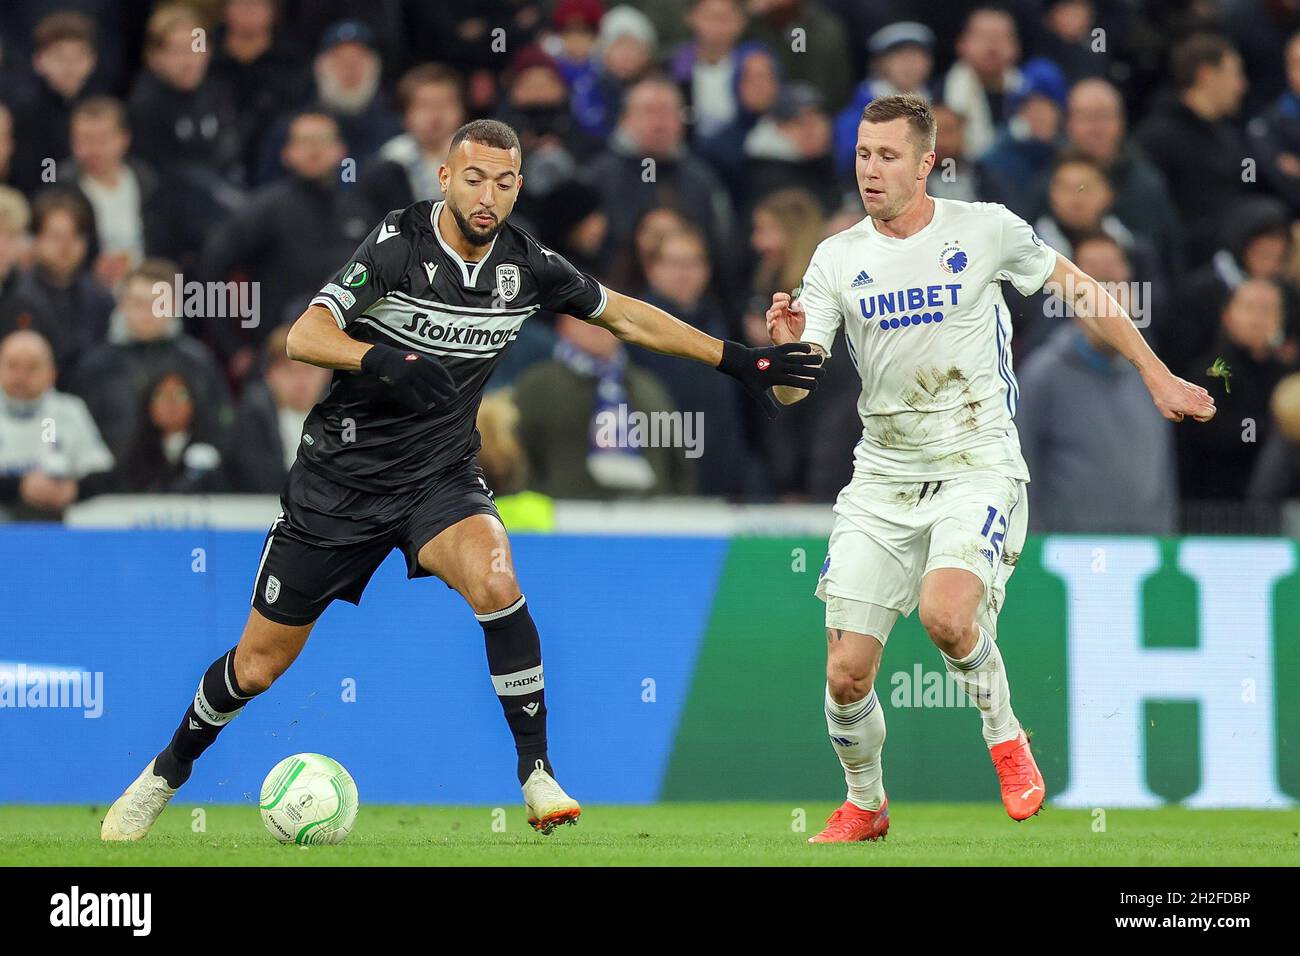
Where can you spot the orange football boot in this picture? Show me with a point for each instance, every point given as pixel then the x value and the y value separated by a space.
pixel 851 824
pixel 1023 789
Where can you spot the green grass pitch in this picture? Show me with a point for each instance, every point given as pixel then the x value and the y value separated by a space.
pixel 672 834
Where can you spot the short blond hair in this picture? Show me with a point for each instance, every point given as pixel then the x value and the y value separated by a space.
pixel 15 213
pixel 168 17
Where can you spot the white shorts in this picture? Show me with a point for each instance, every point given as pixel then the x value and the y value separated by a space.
pixel 888 535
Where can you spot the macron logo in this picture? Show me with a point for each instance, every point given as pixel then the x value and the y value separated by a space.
pixel 861 280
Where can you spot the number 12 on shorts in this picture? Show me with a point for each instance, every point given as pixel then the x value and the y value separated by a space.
pixel 995 537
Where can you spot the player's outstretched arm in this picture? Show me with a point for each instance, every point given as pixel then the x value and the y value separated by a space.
pixel 417 380
pixel 757 369
pixel 315 338
pixel 1097 308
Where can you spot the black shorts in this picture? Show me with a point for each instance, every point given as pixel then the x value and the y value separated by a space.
pixel 329 538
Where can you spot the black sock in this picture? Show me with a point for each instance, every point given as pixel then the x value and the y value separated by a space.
pixel 514 653
pixel 218 700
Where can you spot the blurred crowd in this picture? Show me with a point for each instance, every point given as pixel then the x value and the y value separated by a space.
pixel 689 152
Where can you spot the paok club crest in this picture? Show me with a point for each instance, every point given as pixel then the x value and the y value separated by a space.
pixel 507 282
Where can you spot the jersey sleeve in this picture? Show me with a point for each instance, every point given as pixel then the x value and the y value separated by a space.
pixel 375 269
pixel 1025 260
pixel 563 289
pixel 822 310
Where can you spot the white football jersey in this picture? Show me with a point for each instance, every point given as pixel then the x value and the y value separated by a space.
pixel 928 331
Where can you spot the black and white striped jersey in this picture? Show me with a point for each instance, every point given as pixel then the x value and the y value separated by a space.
pixel 407 288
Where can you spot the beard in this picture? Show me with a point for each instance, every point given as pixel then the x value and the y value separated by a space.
pixel 473 235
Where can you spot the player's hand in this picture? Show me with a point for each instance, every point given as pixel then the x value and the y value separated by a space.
pixel 794 364
pixel 417 380
pixel 785 319
pixel 1177 398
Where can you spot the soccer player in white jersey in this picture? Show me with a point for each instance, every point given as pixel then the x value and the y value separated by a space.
pixel 934 517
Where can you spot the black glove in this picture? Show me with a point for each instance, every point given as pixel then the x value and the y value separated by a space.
pixel 418 381
pixel 794 364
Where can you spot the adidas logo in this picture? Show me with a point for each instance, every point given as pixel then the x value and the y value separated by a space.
pixel 861 280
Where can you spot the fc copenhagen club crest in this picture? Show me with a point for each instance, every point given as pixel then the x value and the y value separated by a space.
pixel 953 259
pixel 507 282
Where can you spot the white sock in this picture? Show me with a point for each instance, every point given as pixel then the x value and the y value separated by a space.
pixel 858 735
pixel 984 678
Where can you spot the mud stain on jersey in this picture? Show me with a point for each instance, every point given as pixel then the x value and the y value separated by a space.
pixel 934 390
pixel 907 496
pixel 962 458
pixel 885 432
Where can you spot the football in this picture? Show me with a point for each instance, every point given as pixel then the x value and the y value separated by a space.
pixel 309 799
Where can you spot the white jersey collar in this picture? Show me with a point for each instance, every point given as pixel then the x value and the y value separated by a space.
pixel 468 270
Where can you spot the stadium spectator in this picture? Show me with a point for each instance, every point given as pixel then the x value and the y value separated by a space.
pixel 953 177
pixel 6 146
pixel 21 304
pixel 651 128
pixel 572 43
pixel 466 35
pixel 668 17
pixel 707 67
pixel 1025 150
pixel 505 467
pixel 170 452
pixel 347 72
pixel 145 339
pixel 537 107
pixel 1274 137
pixel 785 229
pixel 575 422
pixel 63 233
pixel 264 241
pixel 63 60
pixel 572 222
pixel 1080 202
pixel 1095 125
pixel 902 58
pixel 1260 30
pixel 264 70
pixel 1216 457
pixel 51 453
pixel 624 53
pixel 628 270
pixel 182 119
pixel 135 216
pixel 1277 470
pixel 790 148
pixel 1068 38
pixel 811 42
pixel 1083 410
pixel 1193 141
pixel 678 274
pixel 263 442
pixel 978 84
pixel 1256 243
pixel 405 170
pixel 758 85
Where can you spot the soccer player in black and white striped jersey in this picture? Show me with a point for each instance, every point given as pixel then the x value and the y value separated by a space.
pixel 413 326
